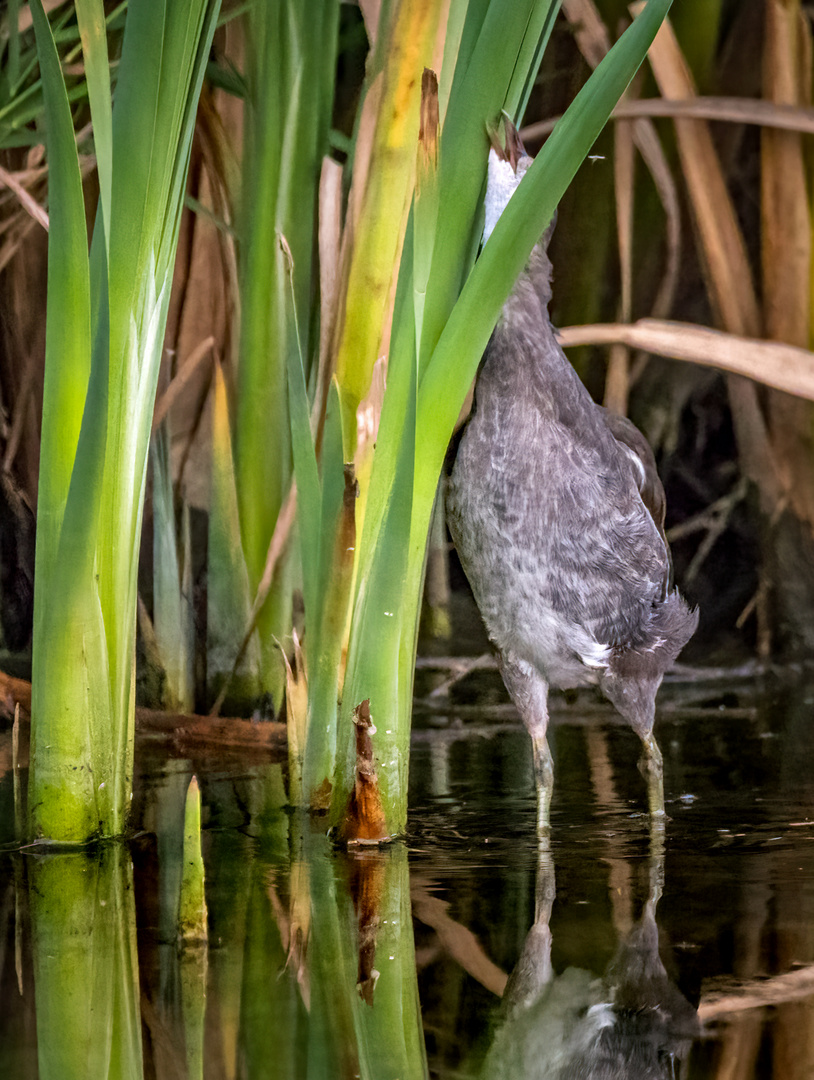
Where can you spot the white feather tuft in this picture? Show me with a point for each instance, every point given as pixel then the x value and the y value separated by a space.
pixel 501 183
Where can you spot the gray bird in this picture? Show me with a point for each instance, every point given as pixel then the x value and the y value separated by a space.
pixel 557 514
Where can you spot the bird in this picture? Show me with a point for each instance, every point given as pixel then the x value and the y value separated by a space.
pixel 557 513
pixel 633 1021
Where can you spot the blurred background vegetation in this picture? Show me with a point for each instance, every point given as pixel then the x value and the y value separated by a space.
pixel 697 212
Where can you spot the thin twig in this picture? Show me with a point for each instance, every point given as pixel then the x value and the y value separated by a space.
pixel 459 669
pixel 27 201
pixel 713 521
pixel 181 380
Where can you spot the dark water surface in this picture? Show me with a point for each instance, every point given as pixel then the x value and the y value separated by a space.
pixel 466 951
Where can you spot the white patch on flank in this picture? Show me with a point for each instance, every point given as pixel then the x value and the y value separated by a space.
pixel 596 656
pixel 637 461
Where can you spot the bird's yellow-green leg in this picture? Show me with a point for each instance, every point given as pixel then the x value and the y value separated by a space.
pixel 543 781
pixel 656 861
pixel 529 691
pixel 652 769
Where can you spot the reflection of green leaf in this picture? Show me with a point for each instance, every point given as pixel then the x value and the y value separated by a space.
pixel 85 965
pixel 361 964
pixel 192 906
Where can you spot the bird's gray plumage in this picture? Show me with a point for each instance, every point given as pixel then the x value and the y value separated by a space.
pixel 558 518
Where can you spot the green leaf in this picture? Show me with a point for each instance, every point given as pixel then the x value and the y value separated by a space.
pixel 228 598
pixel 306 472
pixel 104 337
pixel 90 15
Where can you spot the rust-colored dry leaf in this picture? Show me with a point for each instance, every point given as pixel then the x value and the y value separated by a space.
pixel 428 126
pixel 296 705
pixel 590 32
pixel 368 870
pixel 617 379
pixel 364 821
pixel 786 224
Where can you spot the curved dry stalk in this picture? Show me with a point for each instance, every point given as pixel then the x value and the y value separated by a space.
pixel 757 993
pixel 731 110
pixel 455 939
pixel 784 367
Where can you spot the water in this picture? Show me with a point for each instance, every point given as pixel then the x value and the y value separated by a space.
pixel 466 951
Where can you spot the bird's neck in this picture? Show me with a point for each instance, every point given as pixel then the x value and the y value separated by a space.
pixel 524 363
pixel 531 295
pixel 525 315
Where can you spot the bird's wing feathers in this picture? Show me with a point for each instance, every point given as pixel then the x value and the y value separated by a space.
pixel 634 444
pixel 637 448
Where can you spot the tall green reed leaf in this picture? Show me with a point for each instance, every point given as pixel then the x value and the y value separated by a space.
pixel 291 47
pixel 228 597
pixel 59 636
pixel 92 30
pixel 173 613
pixel 108 317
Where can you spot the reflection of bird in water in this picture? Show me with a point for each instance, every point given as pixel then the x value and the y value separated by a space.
pixel 631 1024
pixel 557 513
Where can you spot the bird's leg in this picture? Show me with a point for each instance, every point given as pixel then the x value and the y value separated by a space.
pixel 656 860
pixel 545 884
pixel 529 691
pixel 543 780
pixel 652 769
pixel 533 971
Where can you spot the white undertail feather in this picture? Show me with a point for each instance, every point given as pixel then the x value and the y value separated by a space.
pixel 598 656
